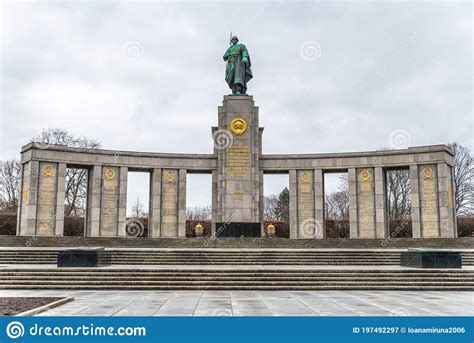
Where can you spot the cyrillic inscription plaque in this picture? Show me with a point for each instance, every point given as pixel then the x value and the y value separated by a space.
pixel 109 201
pixel 169 204
pixel 429 202
pixel 46 199
pixel 366 203
pixel 238 160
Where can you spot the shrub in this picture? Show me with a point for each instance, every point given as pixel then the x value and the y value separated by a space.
pixel 336 228
pixel 465 226
pixel 7 223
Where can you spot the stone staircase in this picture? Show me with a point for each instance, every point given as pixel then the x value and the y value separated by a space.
pixel 226 257
pixel 235 279
pixel 224 243
pixel 231 264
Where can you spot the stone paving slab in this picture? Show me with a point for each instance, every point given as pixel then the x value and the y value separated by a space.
pixel 258 303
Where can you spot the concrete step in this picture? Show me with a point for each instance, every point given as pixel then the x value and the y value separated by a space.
pixel 242 264
pixel 237 279
pixel 221 279
pixel 231 257
pixel 38 241
pixel 235 284
pixel 202 273
pixel 242 287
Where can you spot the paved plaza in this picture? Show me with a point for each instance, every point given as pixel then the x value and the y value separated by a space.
pixel 258 303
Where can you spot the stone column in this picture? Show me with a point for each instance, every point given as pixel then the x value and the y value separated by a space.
pixel 429 201
pixel 352 185
pixel 182 204
pixel 446 201
pixel 155 203
pixel 380 204
pixel 293 204
pixel 261 200
pixel 305 198
pixel 415 202
pixel 47 199
pixel 366 203
pixel 29 197
pixel 215 195
pixel 169 203
pixel 93 202
pixel 60 198
pixel 109 201
pixel 319 203
pixel 20 203
pixel 122 205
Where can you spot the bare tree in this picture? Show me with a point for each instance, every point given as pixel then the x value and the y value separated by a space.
pixel 64 137
pixel 463 179
pixel 76 191
pixel 271 209
pixel 9 184
pixel 398 193
pixel 138 209
pixel 199 213
pixel 337 203
pixel 283 207
pixel 76 178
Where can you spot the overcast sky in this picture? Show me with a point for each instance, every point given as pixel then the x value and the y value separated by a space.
pixel 148 76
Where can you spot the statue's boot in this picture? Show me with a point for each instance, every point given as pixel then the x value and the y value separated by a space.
pixel 238 89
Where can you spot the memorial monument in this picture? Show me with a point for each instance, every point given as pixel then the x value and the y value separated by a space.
pixel 237 165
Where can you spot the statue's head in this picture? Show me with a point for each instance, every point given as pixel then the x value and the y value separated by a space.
pixel 234 40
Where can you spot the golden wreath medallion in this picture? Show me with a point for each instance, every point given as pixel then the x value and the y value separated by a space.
pixel 169 176
pixel 305 177
pixel 238 126
pixel 109 174
pixel 427 173
pixel 48 170
pixel 365 175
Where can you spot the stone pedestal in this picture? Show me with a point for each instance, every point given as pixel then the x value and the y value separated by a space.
pixel 420 258
pixel 83 257
pixel 237 145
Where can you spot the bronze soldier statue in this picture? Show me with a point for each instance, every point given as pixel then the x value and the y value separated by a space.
pixel 238 71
